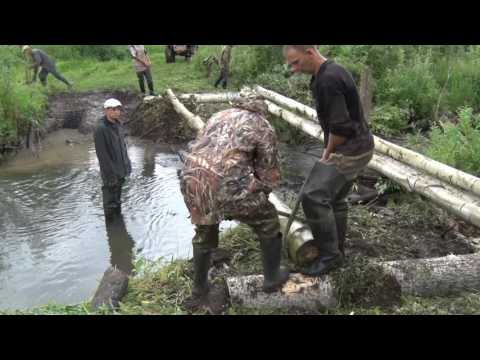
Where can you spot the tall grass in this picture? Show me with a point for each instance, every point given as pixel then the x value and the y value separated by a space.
pixel 20 105
pixel 458 145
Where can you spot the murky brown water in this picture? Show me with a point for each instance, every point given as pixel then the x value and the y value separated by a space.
pixel 54 244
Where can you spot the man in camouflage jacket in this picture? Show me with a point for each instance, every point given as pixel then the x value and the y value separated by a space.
pixel 231 168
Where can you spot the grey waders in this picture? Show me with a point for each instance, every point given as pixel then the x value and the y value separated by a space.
pixel 326 210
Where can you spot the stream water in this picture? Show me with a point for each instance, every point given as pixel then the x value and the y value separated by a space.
pixel 54 243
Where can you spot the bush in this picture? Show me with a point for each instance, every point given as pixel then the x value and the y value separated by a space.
pixel 410 86
pixel 463 87
pixel 296 86
pixel 389 120
pixel 248 62
pixel 458 145
pixel 20 105
pixel 99 52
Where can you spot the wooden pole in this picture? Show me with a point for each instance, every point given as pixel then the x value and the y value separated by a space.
pixel 444 172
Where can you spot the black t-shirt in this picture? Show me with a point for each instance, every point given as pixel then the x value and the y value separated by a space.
pixel 339 109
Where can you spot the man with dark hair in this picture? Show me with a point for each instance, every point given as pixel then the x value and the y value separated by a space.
pixel 229 172
pixel 41 60
pixel 348 149
pixel 112 156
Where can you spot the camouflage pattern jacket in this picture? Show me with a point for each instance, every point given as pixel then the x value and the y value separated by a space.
pixel 232 167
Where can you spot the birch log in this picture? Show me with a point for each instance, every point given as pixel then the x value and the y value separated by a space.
pixel 444 172
pixel 462 204
pixel 449 275
pixel 299 233
pixel 211 97
pixel 193 120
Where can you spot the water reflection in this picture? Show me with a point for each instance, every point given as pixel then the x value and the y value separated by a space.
pixel 148 162
pixel 121 244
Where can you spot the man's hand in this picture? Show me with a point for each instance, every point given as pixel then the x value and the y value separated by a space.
pixel 325 157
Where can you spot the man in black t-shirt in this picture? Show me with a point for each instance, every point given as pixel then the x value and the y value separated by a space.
pixel 349 147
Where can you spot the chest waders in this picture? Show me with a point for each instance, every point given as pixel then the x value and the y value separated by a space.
pixel 324 203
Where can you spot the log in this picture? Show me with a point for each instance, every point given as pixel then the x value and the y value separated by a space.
pixel 193 120
pixel 444 276
pixel 437 169
pixel 449 275
pixel 366 91
pixel 299 242
pixel 462 204
pixel 300 237
pixel 300 292
pixel 113 287
pixel 211 97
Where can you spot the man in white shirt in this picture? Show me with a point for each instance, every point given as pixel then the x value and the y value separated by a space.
pixel 142 65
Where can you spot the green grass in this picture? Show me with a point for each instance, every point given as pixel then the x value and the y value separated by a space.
pixel 91 74
pixel 160 289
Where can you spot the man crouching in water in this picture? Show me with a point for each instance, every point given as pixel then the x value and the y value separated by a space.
pixel 229 172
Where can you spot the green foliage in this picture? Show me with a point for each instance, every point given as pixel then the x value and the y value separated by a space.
pixel 389 120
pixel 250 61
pixel 458 145
pixel 410 86
pixel 99 52
pixel 20 105
pixel 463 87
pixel 387 186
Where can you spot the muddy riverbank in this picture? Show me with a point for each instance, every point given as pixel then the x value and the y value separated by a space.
pixel 56 246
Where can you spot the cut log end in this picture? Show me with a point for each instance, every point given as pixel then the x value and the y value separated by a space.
pixel 113 287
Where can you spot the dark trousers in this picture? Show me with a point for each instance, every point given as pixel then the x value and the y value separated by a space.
pixel 263 221
pixel 44 73
pixel 112 198
pixel 145 75
pixel 325 207
pixel 223 79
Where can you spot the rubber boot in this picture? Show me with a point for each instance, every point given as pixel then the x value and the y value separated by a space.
pixel 274 276
pixel 327 242
pixel 341 216
pixel 201 265
pixel 341 220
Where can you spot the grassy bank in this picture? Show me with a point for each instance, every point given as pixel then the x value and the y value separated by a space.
pixel 161 289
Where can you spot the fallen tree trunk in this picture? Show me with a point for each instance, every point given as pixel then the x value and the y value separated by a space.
pixel 300 237
pixel 113 287
pixel 193 120
pixel 299 242
pixel 464 205
pixel 450 275
pixel 444 172
pixel 211 97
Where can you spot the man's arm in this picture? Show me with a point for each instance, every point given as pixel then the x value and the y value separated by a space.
pixel 333 142
pixel 338 118
pixel 133 53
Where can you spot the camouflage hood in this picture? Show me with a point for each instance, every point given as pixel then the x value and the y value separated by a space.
pixel 250 101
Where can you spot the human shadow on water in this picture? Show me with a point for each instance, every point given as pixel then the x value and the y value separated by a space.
pixel 114 284
pixel 121 244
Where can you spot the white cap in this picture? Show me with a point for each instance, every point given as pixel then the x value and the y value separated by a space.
pixel 25 47
pixel 111 103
